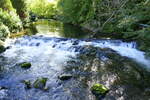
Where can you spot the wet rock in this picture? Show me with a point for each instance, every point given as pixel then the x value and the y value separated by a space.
pixel 75 42
pixel 2 49
pixel 9 47
pixel 3 93
pixel 89 50
pixel 40 83
pixel 27 83
pixel 99 89
pixel 65 77
pixel 147 91
pixel 25 65
pixel 2 88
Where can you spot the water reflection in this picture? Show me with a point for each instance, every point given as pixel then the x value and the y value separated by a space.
pixel 57 29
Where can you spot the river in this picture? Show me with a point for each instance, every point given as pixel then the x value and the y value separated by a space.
pixel 57 49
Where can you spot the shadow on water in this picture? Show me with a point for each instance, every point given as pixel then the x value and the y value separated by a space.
pixel 57 29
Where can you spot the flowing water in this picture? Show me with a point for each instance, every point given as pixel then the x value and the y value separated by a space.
pixel 114 63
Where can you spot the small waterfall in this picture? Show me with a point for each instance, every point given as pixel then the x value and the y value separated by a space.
pixel 123 48
pixel 127 49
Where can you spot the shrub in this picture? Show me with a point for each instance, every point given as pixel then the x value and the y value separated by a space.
pixel 42 8
pixel 4 31
pixel 127 24
pixel 75 11
pixel 11 20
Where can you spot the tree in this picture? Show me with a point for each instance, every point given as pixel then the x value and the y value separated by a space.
pixel 6 5
pixel 21 8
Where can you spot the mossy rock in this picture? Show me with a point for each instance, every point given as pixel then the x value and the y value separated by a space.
pixel 2 49
pixel 65 77
pixel 25 65
pixel 27 83
pixel 99 89
pixel 40 83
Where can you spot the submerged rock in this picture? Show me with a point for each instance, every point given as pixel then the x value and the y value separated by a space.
pixel 8 47
pixel 40 83
pixel 25 65
pixel 65 77
pixel 99 89
pixel 3 93
pixel 2 87
pixel 2 49
pixel 27 84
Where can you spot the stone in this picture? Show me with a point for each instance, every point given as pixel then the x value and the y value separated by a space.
pixel 2 87
pixel 25 65
pixel 40 83
pixel 65 77
pixel 99 89
pixel 27 83
pixel 8 47
pixel 75 42
pixel 2 49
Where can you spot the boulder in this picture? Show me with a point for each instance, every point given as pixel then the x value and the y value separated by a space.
pixel 40 83
pixel 27 83
pixel 99 89
pixel 65 77
pixel 2 48
pixel 25 65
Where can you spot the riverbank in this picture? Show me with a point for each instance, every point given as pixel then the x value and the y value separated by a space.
pixel 128 20
pixel 51 25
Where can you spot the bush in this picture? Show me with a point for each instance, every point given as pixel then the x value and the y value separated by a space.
pixel 127 24
pixel 11 20
pixel 43 9
pixel 76 11
pixel 6 5
pixel 4 31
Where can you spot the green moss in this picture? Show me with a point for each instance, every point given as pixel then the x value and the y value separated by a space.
pixel 99 89
pixel 40 83
pixel 2 49
pixel 27 83
pixel 25 65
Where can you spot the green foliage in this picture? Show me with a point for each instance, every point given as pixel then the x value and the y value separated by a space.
pixel 21 8
pixel 131 18
pixel 6 5
pixel 25 65
pixel 143 36
pixel 99 89
pixel 11 20
pixel 75 11
pixel 43 8
pixel 40 83
pixel 127 23
pixel 4 31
